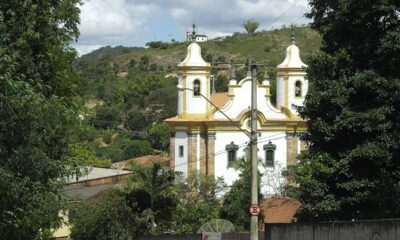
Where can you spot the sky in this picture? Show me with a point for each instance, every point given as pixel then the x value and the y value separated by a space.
pixel 135 22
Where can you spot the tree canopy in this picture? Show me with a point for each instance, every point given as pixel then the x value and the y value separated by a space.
pixel 38 112
pixel 352 167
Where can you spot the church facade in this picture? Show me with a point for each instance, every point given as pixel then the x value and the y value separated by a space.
pixel 204 142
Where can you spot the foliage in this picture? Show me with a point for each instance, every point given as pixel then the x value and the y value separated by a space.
pixel 106 117
pixel 38 112
pixel 135 121
pixel 109 217
pixel 87 157
pixel 152 189
pixel 250 26
pixel 124 148
pixel 198 204
pixel 158 136
pixel 351 170
pixel 237 200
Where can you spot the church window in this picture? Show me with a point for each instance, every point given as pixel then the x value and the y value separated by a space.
pixel 181 151
pixel 297 89
pixel 231 151
pixel 196 87
pixel 269 154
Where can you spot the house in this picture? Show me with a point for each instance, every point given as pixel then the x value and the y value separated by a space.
pixel 204 142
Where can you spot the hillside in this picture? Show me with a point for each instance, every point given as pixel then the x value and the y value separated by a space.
pixel 129 91
pixel 261 46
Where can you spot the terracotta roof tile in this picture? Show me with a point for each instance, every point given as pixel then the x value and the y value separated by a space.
pixel 280 210
pixel 220 99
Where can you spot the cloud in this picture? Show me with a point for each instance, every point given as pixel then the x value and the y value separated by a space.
pixel 112 22
pixel 126 22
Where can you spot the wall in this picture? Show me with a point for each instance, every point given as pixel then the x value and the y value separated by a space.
pixel 341 230
pixel 181 163
pixel 269 181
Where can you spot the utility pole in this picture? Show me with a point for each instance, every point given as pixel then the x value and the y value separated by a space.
pixel 254 158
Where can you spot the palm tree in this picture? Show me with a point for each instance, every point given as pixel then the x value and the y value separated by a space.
pixel 251 25
pixel 152 190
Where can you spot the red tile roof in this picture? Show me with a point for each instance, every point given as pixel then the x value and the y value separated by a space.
pixel 220 99
pixel 280 210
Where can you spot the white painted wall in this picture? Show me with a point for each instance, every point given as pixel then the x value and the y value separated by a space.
pixel 242 102
pixel 197 104
pixel 181 163
pixel 230 174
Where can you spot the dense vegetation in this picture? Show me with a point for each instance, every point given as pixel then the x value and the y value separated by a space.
pixel 39 113
pixel 352 167
pixel 150 202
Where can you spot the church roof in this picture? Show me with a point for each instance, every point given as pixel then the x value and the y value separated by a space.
pixel 193 57
pixel 220 99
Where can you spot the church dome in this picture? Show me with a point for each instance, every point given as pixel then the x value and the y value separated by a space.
pixel 292 59
pixel 193 57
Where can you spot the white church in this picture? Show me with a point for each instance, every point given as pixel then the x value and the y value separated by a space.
pixel 204 142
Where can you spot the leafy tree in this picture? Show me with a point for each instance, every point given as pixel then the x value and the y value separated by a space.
pixel 352 168
pixel 38 112
pixel 237 200
pixel 135 121
pixel 109 217
pixel 199 203
pixel 86 157
pixel 250 26
pixel 135 148
pixel 106 117
pixel 152 189
pixel 158 135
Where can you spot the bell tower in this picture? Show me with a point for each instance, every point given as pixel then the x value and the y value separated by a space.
pixel 291 84
pixel 193 83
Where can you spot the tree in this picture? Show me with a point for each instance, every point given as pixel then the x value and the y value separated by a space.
pixel 38 110
pixel 199 203
pixel 250 26
pixel 106 117
pixel 152 189
pixel 135 121
pixel 352 167
pixel 158 136
pixel 108 217
pixel 237 200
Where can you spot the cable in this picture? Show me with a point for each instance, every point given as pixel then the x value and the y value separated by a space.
pixel 265 139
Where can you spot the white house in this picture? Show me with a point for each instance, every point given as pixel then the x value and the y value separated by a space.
pixel 204 142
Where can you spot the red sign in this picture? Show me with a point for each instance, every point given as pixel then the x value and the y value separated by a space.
pixel 255 210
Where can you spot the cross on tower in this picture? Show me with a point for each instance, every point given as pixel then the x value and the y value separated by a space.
pixel 194 33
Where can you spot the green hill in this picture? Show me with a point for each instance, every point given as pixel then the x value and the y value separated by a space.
pixel 261 46
pixel 129 90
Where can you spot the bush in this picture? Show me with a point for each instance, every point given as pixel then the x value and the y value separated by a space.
pixel 110 217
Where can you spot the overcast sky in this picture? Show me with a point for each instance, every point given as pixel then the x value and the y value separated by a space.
pixel 135 22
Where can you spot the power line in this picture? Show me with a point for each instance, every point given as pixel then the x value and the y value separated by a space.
pixel 264 139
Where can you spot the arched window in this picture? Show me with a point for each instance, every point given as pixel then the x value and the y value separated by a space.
pixel 196 87
pixel 231 151
pixel 297 89
pixel 269 154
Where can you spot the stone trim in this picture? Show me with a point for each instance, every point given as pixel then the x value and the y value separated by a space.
pixel 291 148
pixel 172 150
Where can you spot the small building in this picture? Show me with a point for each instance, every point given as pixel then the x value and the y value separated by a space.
pixel 199 37
pixel 204 142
